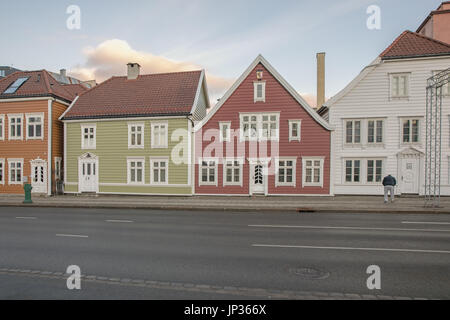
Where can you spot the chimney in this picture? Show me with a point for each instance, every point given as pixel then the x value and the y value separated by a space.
pixel 63 72
pixel 320 79
pixel 133 70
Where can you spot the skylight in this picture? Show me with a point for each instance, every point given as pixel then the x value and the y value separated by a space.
pixel 16 85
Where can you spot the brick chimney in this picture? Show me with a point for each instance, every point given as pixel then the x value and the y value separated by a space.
pixel 133 70
pixel 320 79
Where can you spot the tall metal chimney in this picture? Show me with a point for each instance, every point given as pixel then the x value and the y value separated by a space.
pixel 320 79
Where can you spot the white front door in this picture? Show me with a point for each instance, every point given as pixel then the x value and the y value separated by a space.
pixel 39 176
pixel 410 175
pixel 88 175
pixel 257 179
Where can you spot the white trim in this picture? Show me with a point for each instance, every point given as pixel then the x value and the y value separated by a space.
pixel 49 147
pixel 313 184
pixel 228 135
pixel 201 84
pixel 166 137
pixel 411 143
pixel 93 158
pixel 241 172
pixel 2 130
pixel 294 172
pixel 159 159
pixel 136 124
pixel 284 83
pixel 124 119
pixel 88 126
pixel 68 109
pixel 399 96
pixel 259 124
pixel 33 164
pixel 30 115
pixel 216 168
pixel 3 171
pixel 22 125
pixel 33 99
pixel 375 135
pixel 292 138
pixel 255 91
pixel 135 159
pixel 15 160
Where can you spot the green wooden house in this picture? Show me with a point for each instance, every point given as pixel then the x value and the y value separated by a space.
pixel 133 134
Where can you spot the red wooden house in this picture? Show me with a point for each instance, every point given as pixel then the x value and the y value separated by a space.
pixel 262 138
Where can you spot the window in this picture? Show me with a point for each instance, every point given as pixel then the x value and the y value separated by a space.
pixel 249 127
pixel 374 170
pixel 259 126
pixel 399 85
pixel 445 87
pixel 286 172
pixel 2 73
pixel 259 91
pixel 411 131
pixel 313 172
pixel 232 172
pixel 2 171
pixel 16 85
pixel 88 136
pixel 225 131
pixel 159 171
pixel 15 127
pixel 2 127
pixel 58 169
pixel 34 126
pixel 269 127
pixel 375 131
pixel 352 171
pixel 208 172
pixel 353 131
pixel 295 130
pixel 135 135
pixel 15 171
pixel 136 167
pixel 159 135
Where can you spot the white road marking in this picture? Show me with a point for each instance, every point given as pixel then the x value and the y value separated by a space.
pixel 27 218
pixel 120 221
pixel 426 222
pixel 347 228
pixel 350 248
pixel 71 235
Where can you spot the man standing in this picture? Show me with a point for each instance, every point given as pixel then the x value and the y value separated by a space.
pixel 389 183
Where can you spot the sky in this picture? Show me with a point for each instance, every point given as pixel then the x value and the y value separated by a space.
pixel 222 37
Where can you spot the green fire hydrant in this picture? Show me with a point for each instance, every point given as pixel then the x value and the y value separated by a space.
pixel 27 188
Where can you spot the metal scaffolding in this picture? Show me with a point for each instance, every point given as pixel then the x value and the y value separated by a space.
pixel 433 149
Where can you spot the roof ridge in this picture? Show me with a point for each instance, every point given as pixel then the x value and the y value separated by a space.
pixel 394 43
pixel 432 39
pixel 162 73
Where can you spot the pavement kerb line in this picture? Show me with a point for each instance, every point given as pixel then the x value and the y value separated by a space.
pixel 241 291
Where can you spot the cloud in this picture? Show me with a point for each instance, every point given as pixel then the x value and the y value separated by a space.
pixel 310 98
pixel 110 57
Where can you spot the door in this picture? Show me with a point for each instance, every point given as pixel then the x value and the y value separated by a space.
pixel 88 173
pixel 39 177
pixel 410 176
pixel 258 179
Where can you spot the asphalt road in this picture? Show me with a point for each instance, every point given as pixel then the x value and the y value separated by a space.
pixel 141 254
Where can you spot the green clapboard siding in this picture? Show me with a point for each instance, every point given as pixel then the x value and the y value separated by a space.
pixel 112 151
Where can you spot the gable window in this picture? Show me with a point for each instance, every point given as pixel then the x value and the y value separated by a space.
pixel 136 167
pixel 15 171
pixel 313 171
pixel 2 127
pixel 15 127
pixel 232 172
pixel 259 126
pixel 225 131
pixel 135 135
pixel 353 131
pixel 375 131
pixel 2 171
pixel 159 135
pixel 159 171
pixel 259 91
pixel 411 130
pixel 34 126
pixel 208 172
pixel 399 85
pixel 352 171
pixel 88 136
pixel 295 130
pixel 286 172
pixel 374 170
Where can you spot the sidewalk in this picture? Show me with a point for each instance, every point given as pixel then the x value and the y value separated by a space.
pixel 348 204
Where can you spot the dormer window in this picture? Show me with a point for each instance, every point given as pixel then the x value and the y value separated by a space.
pixel 260 91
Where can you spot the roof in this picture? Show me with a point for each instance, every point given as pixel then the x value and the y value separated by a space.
pixel 439 10
pixel 39 84
pixel 410 44
pixel 261 60
pixel 164 94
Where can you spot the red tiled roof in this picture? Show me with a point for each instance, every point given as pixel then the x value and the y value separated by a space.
pixel 148 95
pixel 410 44
pixel 75 89
pixel 40 83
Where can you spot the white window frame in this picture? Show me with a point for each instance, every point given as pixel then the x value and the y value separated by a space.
pixel 446 87
pixel 10 161
pixel 35 115
pixel 165 143
pixel 255 91
pixel 129 161
pixel 261 130
pixel 375 170
pixel 3 171
pixel 294 172
pixel 344 170
pixel 2 127
pixel 375 135
pixel 222 125
pixel 313 184
pixel 240 167
pixel 398 94
pixel 15 116
pixel 259 124
pixel 419 138
pixel 94 144
pixel 152 177
pixel 130 133
pixel 299 130
pixel 353 121
pixel 58 163
pixel 200 169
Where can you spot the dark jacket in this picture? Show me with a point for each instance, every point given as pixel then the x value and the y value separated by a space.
pixel 389 181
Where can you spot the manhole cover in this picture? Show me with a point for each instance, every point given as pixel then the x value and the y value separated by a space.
pixel 310 273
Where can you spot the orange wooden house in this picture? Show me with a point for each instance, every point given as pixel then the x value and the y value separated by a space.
pixel 31 136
